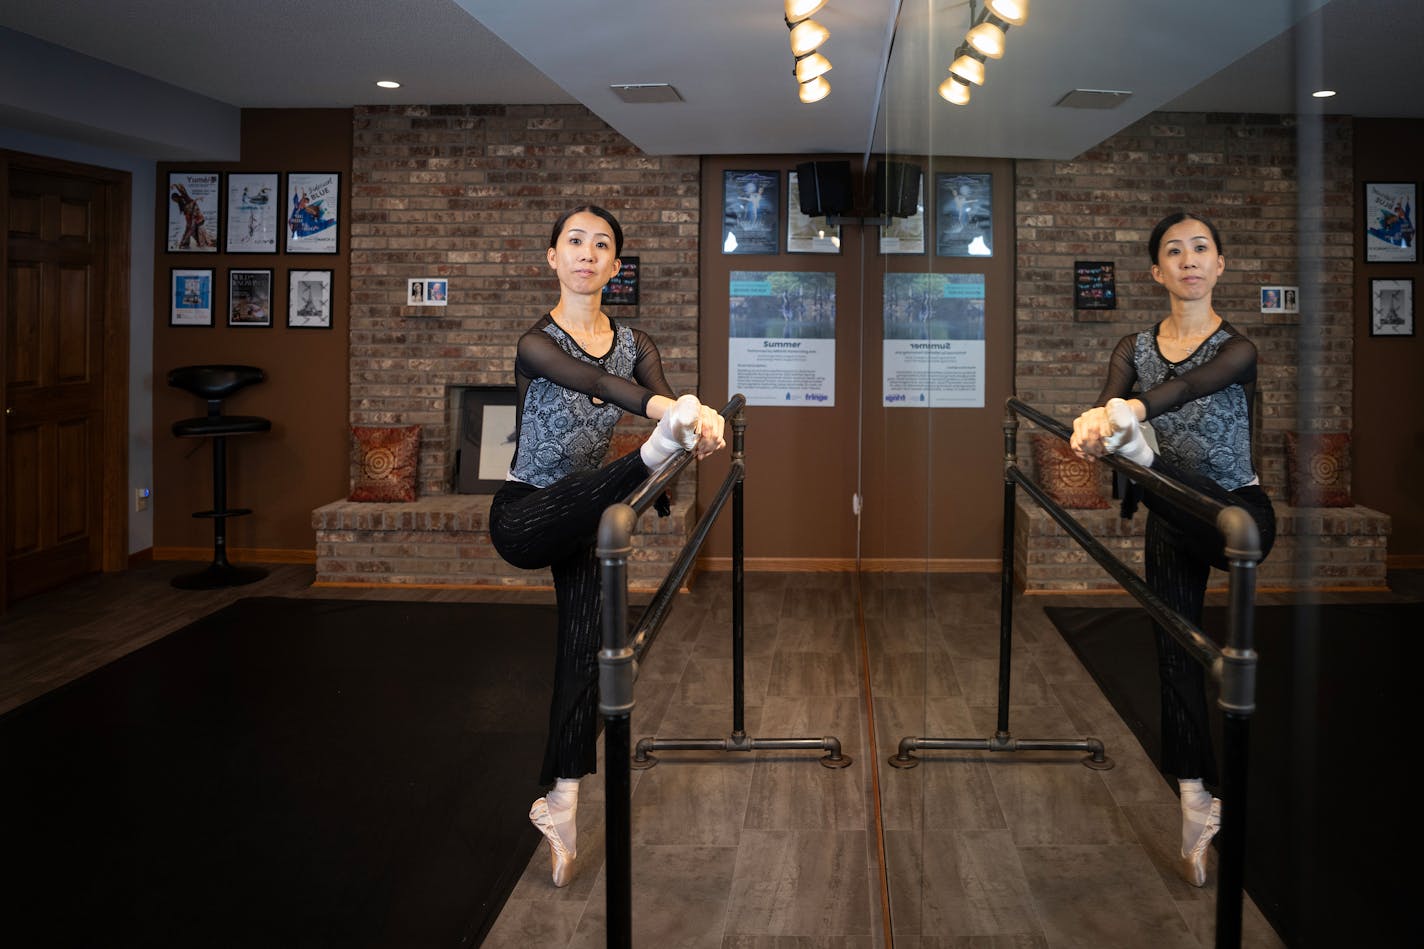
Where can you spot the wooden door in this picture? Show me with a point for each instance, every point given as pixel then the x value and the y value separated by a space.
pixel 56 266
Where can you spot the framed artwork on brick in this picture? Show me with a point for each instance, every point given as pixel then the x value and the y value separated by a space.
pixel 249 297
pixel 485 438
pixel 622 290
pixel 313 212
pixel 1389 223
pixel 964 215
pixel 253 200
pixel 190 296
pixel 194 199
pixel 309 299
pixel 1392 307
pixel 1094 285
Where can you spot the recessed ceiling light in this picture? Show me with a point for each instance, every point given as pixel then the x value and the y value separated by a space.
pixel 387 83
pixel 1323 93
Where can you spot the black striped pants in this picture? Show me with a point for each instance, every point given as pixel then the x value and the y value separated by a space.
pixel 556 527
pixel 1179 552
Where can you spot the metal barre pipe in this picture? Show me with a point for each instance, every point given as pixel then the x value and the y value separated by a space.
pixel 657 482
pixel 1207 652
pixel 657 610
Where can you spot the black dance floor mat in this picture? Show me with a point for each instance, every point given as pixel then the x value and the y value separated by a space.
pixel 285 773
pixel 1331 812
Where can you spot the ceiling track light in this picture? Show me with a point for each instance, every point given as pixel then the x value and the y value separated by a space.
pixel 984 41
pixel 809 67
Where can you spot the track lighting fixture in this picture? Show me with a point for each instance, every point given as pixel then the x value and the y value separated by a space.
pixel 985 40
pixel 806 37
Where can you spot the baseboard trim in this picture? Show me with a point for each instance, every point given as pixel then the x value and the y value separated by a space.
pixel 1291 588
pixel 239 554
pixel 849 565
pixel 140 557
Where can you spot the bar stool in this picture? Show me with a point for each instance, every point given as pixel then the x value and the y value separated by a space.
pixel 215 383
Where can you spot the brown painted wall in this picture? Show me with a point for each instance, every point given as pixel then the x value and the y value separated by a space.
pixel 302 463
pixel 1388 438
pixel 931 480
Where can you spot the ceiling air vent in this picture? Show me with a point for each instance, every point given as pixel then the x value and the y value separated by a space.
pixel 640 92
pixel 1093 99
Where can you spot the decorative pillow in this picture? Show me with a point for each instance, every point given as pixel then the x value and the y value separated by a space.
pixel 1318 470
pixel 386 463
pixel 1071 481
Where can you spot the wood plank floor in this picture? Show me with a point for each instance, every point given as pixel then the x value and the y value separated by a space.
pixel 769 849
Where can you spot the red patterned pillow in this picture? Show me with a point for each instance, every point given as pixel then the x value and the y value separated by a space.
pixel 386 463
pixel 1071 481
pixel 1318 470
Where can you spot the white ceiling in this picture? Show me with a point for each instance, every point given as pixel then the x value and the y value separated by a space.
pixel 731 63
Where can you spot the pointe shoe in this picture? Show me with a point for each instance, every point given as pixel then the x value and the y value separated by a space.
pixel 1126 439
pixel 560 857
pixel 1193 863
pixel 685 423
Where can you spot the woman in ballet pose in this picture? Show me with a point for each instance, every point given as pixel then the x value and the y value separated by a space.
pixel 1186 382
pixel 576 373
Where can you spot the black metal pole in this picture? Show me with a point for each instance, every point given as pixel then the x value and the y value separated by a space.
pixel 615 703
pixel 739 730
pixel 220 501
pixel 1006 572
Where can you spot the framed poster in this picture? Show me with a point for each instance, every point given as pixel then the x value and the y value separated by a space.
pixel 313 212
pixel 427 291
pixel 1389 223
pixel 751 209
pixel 193 212
pixel 309 299
pixel 806 234
pixel 191 297
pixel 1392 307
pixel 249 297
pixel 964 215
pixel 622 290
pixel 251 219
pixel 485 447
pixel 906 235
pixel 781 347
pixel 1094 285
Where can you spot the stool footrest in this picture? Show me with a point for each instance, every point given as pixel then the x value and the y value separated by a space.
pixel 231 512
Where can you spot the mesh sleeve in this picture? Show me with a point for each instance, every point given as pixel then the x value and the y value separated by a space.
pixel 648 368
pixel 1233 364
pixel 1122 371
pixel 539 356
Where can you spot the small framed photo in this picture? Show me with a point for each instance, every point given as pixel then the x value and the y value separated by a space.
pixel 427 291
pixel 1280 300
pixel 1094 285
pixel 253 200
pixel 751 211
pixel 1392 307
pixel 622 290
pixel 249 297
pixel 309 299
pixel 485 440
pixel 964 215
pixel 806 234
pixel 191 297
pixel 193 211
pixel 313 212
pixel 1389 223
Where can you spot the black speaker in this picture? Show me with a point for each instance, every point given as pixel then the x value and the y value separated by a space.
pixel 897 188
pixel 824 186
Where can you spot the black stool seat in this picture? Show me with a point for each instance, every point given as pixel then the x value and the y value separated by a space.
pixel 213 384
pixel 207 426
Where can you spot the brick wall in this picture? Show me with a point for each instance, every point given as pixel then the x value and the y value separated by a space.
pixel 1241 172
pixel 470 193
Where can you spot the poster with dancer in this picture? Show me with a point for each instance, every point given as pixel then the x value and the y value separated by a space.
pixel 1389 223
pixel 313 212
pixel 193 199
pixel 253 213
pixel 751 210
pixel 934 341
pixel 782 349
pixel 964 215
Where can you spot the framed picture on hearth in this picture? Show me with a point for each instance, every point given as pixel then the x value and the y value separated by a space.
pixel 484 438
